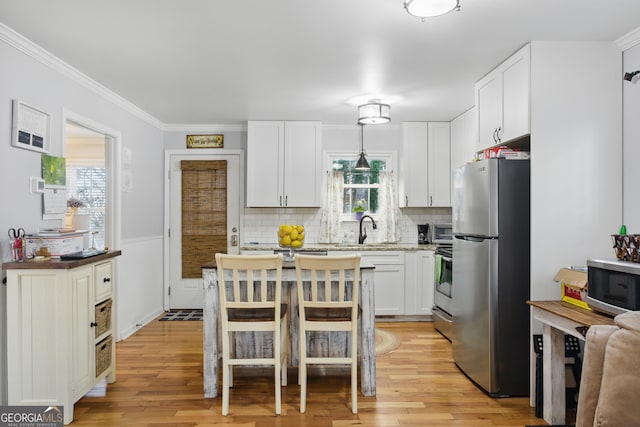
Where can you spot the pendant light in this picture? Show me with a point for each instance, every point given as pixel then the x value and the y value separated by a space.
pixel 373 113
pixel 430 8
pixel 362 163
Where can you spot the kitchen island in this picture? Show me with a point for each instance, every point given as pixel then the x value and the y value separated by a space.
pixel 366 327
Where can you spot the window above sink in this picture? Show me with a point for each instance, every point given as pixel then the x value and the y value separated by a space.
pixel 361 188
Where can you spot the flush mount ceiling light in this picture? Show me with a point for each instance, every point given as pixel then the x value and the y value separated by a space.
pixel 373 113
pixel 430 8
pixel 362 163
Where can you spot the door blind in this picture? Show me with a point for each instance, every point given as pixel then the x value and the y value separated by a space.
pixel 204 213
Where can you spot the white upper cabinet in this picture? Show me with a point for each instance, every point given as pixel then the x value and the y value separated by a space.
pixel 283 164
pixel 425 172
pixel 463 138
pixel 439 164
pixel 413 176
pixel 503 101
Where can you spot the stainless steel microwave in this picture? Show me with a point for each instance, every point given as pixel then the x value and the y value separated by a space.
pixel 613 286
pixel 442 233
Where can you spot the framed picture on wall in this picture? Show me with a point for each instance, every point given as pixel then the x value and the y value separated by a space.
pixel 30 128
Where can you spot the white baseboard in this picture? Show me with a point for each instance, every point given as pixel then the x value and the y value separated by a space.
pixel 132 329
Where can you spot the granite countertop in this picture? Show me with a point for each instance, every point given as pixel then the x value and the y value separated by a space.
pixel 343 247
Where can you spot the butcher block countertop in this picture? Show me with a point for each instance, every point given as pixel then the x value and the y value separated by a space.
pixel 57 263
pixel 574 313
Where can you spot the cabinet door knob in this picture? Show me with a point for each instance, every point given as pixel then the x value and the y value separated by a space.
pixel 106 279
pixel 93 324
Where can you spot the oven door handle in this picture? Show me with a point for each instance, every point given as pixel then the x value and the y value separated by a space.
pixel 444 258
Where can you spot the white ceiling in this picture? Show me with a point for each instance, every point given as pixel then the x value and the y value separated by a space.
pixel 228 61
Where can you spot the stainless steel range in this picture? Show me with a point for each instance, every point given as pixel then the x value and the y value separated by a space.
pixel 443 286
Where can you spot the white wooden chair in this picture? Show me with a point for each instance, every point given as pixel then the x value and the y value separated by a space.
pixel 328 288
pixel 251 301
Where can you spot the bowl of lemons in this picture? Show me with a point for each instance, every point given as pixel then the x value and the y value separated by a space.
pixel 291 236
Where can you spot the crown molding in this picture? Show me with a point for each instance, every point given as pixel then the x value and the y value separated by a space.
pixel 203 128
pixel 26 46
pixel 629 40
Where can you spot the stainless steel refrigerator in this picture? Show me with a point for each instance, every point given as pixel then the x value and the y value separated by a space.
pixel 491 274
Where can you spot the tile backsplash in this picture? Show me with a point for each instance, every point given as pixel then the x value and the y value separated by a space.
pixel 261 224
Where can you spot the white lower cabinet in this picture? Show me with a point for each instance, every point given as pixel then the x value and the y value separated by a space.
pixel 59 331
pixel 419 270
pixel 403 281
pixel 388 279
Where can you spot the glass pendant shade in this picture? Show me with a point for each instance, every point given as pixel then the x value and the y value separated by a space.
pixel 374 113
pixel 430 8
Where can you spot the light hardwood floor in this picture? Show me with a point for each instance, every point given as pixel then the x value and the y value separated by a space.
pixel 159 383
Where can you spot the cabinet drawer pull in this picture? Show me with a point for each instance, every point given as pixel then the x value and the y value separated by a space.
pixel 93 324
pixel 106 279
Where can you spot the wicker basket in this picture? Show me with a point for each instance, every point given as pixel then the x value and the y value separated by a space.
pixel 627 246
pixel 103 354
pixel 103 317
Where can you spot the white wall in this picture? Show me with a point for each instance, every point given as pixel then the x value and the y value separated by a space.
pixel 142 299
pixel 631 138
pixel 32 75
pixel 576 157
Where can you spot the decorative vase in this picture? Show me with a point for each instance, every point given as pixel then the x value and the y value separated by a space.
pixel 359 215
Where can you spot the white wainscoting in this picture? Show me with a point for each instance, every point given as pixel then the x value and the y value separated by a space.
pixel 139 291
pixel 3 342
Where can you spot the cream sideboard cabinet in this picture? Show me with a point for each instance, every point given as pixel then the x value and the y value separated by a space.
pixel 59 330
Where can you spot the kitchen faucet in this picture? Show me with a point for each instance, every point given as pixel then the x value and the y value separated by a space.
pixel 363 235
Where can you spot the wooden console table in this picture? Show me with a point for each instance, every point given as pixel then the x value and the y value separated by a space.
pixel 558 318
